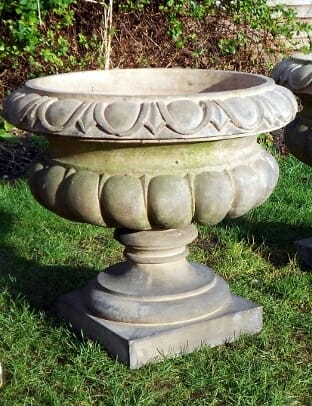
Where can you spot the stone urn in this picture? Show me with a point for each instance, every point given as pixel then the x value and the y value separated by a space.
pixel 295 73
pixel 149 152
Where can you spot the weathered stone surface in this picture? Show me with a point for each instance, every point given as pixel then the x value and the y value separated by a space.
pixel 175 290
pixel 212 207
pixel 135 345
pixel 157 303
pixel 150 104
pixel 170 201
pixel 123 201
pixel 205 182
pixel 150 151
pixel 111 160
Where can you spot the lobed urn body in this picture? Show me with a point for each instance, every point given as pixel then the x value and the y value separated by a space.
pixel 149 152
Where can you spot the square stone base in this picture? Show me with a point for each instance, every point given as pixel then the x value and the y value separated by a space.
pixel 304 251
pixel 136 345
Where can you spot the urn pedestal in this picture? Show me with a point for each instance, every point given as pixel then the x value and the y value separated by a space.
pixel 295 73
pixel 148 152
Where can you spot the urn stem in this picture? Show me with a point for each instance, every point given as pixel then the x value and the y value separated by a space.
pixel 157 283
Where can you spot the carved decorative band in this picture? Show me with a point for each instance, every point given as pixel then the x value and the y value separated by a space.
pixel 293 74
pixel 159 119
pixel 140 203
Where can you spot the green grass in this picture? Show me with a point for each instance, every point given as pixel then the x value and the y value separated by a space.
pixel 44 363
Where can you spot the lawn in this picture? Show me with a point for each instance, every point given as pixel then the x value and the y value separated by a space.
pixel 45 363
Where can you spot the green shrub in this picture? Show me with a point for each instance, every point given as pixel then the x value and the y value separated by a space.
pixel 50 36
pixel 23 29
pixel 276 21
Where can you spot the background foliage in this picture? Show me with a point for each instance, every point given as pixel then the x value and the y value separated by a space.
pixel 49 36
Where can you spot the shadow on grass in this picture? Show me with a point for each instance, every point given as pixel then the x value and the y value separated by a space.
pixel 275 238
pixel 40 285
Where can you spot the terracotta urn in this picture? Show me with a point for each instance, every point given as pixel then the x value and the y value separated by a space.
pixel 295 73
pixel 149 152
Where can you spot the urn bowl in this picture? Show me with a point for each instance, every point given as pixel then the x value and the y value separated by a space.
pixel 146 148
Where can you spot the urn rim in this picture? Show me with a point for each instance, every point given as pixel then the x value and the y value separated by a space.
pixel 250 83
pixel 302 58
pixel 295 73
pixel 201 105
